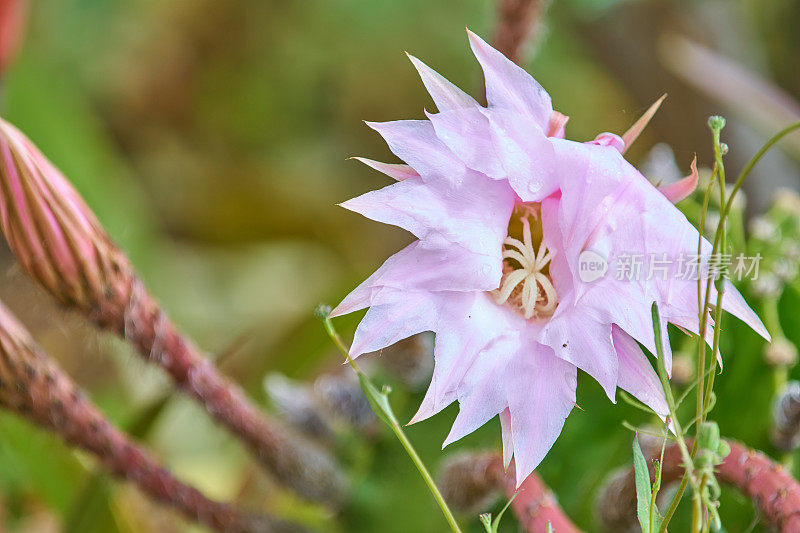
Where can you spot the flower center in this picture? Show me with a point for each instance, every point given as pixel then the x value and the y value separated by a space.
pixel 526 286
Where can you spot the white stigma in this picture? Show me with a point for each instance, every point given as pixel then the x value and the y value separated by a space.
pixel 537 298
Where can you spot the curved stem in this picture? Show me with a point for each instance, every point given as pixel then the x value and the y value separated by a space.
pixel 383 410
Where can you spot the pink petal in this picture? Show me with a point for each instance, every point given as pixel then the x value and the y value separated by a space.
pixel 507 436
pixel 584 341
pixel 677 191
pixel 558 124
pixel 386 324
pixel 416 143
pixel 610 139
pixel 734 303
pixel 426 266
pixel 468 134
pixel 445 95
pixel 636 374
pixel 509 87
pixel 541 393
pixel 526 154
pixel 633 132
pixel 393 170
pixel 453 212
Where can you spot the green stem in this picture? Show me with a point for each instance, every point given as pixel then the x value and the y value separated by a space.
pixel 749 167
pixel 720 282
pixel 398 431
pixel 701 305
pixel 673 417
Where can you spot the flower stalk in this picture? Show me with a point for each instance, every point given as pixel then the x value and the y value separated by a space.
pixel 380 404
pixel 35 388
pixel 61 244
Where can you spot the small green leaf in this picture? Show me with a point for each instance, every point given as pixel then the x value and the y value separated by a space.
pixel 379 400
pixel 496 523
pixel 643 490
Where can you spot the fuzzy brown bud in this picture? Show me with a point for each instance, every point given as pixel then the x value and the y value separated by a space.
pixel 786 418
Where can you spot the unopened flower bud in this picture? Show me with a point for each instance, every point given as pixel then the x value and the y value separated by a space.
pixel 411 359
pixel 53 233
pixel 296 403
pixel 60 243
pixel 723 148
pixel 780 352
pixel 716 122
pixel 616 502
pixel 470 481
pixel 342 396
pixel 786 418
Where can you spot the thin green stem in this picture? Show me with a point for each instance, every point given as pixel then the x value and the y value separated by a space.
pixel 397 429
pixel 701 308
pixel 720 282
pixel 749 167
pixel 673 418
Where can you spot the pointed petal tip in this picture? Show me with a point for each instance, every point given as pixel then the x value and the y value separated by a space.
pixel 681 189
pixel 633 132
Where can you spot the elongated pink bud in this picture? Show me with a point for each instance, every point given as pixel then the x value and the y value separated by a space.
pixel 61 244
pixel 51 230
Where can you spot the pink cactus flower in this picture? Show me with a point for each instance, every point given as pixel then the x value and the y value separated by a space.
pixel 508 214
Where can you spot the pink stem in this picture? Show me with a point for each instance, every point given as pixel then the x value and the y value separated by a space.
pixel 295 462
pixel 534 505
pixel 771 488
pixel 34 387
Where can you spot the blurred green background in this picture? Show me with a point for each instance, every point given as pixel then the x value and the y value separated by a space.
pixel 211 139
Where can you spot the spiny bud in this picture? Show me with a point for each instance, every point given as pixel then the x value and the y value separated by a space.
pixel 296 402
pixel 411 359
pixel 342 396
pixel 470 481
pixel 615 506
pixel 786 418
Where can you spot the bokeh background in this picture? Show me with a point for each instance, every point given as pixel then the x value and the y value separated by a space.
pixel 211 138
